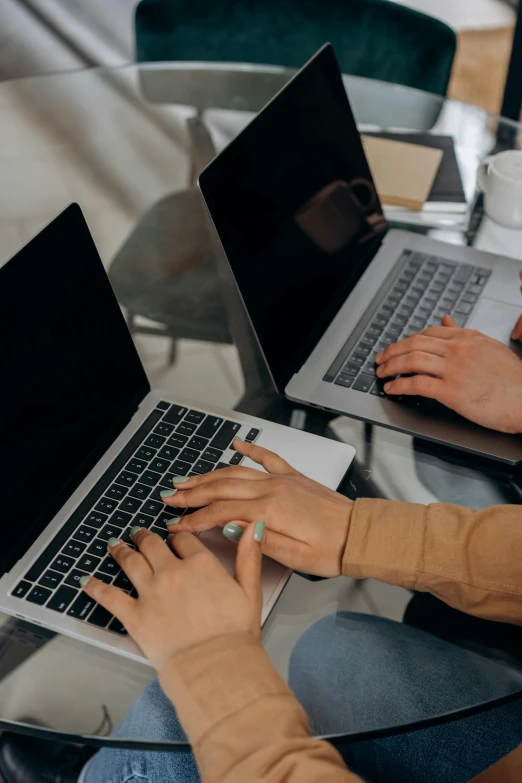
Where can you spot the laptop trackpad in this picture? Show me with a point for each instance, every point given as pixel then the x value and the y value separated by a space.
pixel 497 319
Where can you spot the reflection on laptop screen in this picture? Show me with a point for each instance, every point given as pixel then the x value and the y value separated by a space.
pixel 295 207
pixel 70 376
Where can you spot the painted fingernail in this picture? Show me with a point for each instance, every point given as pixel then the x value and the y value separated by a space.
pixel 387 386
pixel 180 479
pixel 84 580
pixel 173 521
pixel 241 440
pixel 113 541
pixel 259 531
pixel 232 531
pixel 135 529
pixel 379 356
pixel 167 493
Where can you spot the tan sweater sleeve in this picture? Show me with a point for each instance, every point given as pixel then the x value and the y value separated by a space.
pixel 469 559
pixel 242 720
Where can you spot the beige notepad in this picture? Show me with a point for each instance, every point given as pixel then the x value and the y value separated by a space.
pixel 403 173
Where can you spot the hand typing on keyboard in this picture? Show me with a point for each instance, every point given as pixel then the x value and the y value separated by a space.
pixel 185 600
pixel 474 375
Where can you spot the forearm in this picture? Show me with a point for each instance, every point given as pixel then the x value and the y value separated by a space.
pixel 242 721
pixel 469 559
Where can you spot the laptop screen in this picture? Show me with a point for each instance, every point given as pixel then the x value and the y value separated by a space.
pixel 295 207
pixel 70 376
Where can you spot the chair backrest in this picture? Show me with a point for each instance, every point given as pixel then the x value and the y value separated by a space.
pixel 379 39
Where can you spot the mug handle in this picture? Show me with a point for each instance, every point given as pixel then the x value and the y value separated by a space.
pixel 483 174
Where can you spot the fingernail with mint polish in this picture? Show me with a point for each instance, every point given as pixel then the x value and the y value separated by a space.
pixel 180 479
pixel 167 493
pixel 113 541
pixel 241 440
pixel 84 580
pixel 378 357
pixel 134 530
pixel 232 531
pixel 172 521
pixel 259 531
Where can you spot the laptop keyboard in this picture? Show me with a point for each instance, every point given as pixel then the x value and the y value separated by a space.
pixel 427 288
pixel 173 441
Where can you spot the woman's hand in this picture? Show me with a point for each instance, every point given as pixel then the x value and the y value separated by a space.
pixel 182 600
pixel 306 523
pixel 472 374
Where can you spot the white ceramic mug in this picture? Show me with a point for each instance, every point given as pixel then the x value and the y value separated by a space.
pixel 500 179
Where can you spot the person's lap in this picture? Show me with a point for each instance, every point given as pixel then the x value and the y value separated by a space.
pixel 353 673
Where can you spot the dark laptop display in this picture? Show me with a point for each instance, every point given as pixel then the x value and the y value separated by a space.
pixel 294 204
pixel 71 377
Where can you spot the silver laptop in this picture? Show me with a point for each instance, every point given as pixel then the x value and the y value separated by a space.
pixel 86 447
pixel 324 281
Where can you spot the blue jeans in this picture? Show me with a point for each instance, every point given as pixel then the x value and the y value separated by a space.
pixel 354 672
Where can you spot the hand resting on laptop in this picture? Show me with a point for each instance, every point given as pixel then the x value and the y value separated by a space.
pixel 474 375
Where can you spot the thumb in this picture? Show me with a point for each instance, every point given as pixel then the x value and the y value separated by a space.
pixel 516 334
pixel 248 566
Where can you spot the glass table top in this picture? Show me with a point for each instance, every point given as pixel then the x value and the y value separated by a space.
pixel 123 144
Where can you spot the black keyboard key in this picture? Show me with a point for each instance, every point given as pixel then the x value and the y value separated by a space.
pixel 139 492
pixel 202 466
pixel 467 297
pixel 369 369
pixel 163 406
pixel 82 607
pixel 86 534
pixel 344 380
pixel 417 323
pixel 210 426
pixel 150 477
pixel 128 506
pixel 51 579
pixel 169 453
pixel 400 320
pixel 107 505
pixel 463 273
pixel 474 289
pixel 109 531
pixel 189 455
pixel 62 598
pixel 393 330
pixel 363 383
pixel 357 360
pixel 405 310
pixel 126 537
pixel 464 307
pixel 127 478
pixel 377 389
pixel 160 465
pixel 88 563
pixel 39 595
pixel 136 465
pixel 21 589
pixel 100 617
pixel 220 466
pixel 186 428
pixel 96 519
pixel 213 455
pixel 152 507
pixel 177 440
pixel 175 414
pixel 155 441
pixel 225 435
pixel 142 520
pixel 234 460
pixel 196 417
pixel 349 369
pixel 198 443
pixel 123 582
pixel 180 468
pixel 74 548
pixel 145 453
pixel 107 578
pixel 62 563
pixel 116 627
pixel 163 428
pixel 460 319
pixel 370 339
pixel 74 577
pixel 120 518
pixel 167 481
pixel 161 532
pixel 98 548
pixel 110 566
pixel 116 492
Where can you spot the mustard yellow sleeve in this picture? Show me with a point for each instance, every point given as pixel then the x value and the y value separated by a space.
pixel 471 560
pixel 242 720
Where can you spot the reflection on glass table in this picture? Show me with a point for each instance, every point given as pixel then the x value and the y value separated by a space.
pixel 121 143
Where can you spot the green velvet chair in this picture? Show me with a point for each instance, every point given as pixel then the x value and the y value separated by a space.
pixel 378 39
pixel 169 254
